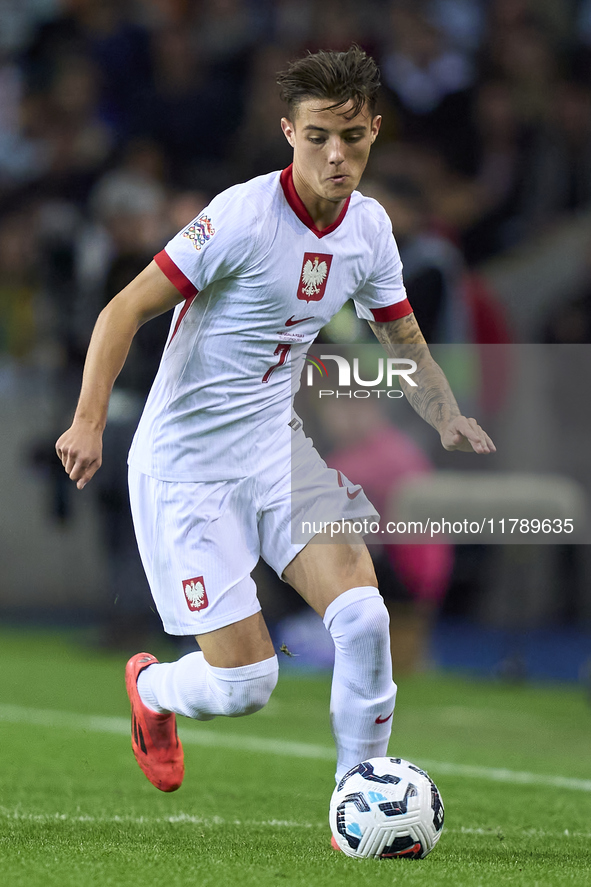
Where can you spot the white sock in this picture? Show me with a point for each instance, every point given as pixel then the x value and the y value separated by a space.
pixel 363 692
pixel 194 688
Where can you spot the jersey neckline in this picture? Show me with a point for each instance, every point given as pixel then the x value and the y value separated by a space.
pixel 297 204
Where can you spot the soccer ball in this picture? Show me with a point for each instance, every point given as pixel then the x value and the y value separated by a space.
pixel 385 808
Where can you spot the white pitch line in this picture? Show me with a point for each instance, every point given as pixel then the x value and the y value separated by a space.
pixel 176 819
pixel 213 821
pixel 17 714
pixel 204 736
pixel 500 774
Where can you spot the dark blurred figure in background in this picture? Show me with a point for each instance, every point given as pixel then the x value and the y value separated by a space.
pixel 105 34
pixel 133 208
pixel 452 303
pixel 430 80
pixel 558 181
pixel 191 112
pixel 18 287
pixel 434 269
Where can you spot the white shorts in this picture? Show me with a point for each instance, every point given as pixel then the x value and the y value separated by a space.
pixel 199 542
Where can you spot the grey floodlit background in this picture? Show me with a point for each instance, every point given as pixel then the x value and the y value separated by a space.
pixel 119 120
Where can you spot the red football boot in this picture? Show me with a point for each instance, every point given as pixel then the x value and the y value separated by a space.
pixel 333 843
pixel 154 740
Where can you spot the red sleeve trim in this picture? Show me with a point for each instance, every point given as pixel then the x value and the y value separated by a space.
pixel 175 275
pixel 392 312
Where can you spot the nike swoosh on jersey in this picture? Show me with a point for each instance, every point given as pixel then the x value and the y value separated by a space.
pixel 349 493
pixel 384 720
pixel 292 322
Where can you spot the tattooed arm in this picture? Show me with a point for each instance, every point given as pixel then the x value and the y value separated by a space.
pixel 431 398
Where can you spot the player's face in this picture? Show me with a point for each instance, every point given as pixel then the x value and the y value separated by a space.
pixel 331 148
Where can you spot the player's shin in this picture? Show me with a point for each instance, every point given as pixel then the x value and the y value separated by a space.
pixel 363 692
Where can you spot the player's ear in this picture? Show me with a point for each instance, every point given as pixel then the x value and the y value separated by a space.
pixel 288 130
pixel 375 127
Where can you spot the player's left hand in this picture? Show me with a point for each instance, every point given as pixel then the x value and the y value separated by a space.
pixel 466 435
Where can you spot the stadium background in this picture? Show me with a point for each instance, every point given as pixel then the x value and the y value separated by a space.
pixel 119 120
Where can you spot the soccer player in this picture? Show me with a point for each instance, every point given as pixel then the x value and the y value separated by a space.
pixel 219 466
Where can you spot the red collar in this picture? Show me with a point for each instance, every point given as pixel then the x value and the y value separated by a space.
pixel 296 203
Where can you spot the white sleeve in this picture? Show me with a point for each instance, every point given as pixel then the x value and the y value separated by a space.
pixel 383 296
pixel 219 243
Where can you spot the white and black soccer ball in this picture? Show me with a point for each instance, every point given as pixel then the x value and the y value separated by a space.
pixel 386 808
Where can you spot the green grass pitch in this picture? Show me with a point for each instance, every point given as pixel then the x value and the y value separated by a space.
pixel 513 765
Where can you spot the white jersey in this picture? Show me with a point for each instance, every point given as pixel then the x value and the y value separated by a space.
pixel 259 281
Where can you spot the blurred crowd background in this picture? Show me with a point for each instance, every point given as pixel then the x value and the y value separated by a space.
pixel 120 119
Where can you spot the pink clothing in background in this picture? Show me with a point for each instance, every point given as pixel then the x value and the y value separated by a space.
pixel 380 463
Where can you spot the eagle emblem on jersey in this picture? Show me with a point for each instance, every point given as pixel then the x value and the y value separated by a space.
pixel 314 276
pixel 195 593
pixel 199 231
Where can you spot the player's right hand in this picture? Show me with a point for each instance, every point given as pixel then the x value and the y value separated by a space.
pixel 80 449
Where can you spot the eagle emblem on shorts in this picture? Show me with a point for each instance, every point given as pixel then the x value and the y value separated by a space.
pixel 314 276
pixel 195 593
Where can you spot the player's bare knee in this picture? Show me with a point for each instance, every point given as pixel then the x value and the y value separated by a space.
pixel 358 566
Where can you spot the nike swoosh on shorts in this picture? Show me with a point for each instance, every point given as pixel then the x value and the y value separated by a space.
pixel 349 493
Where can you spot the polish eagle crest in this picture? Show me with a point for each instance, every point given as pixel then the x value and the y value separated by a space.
pixel 313 276
pixel 195 593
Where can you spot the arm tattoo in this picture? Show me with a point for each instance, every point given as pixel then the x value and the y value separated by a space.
pixel 405 331
pixel 432 398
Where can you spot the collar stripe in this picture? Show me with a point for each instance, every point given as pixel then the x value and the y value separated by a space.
pixel 296 203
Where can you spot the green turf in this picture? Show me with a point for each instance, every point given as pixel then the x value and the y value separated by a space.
pixel 75 810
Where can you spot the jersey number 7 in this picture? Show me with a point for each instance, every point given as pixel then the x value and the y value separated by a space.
pixel 282 351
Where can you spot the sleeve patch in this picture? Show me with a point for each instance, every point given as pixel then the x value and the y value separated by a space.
pixel 199 231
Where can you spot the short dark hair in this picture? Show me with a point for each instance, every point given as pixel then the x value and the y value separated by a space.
pixel 340 76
